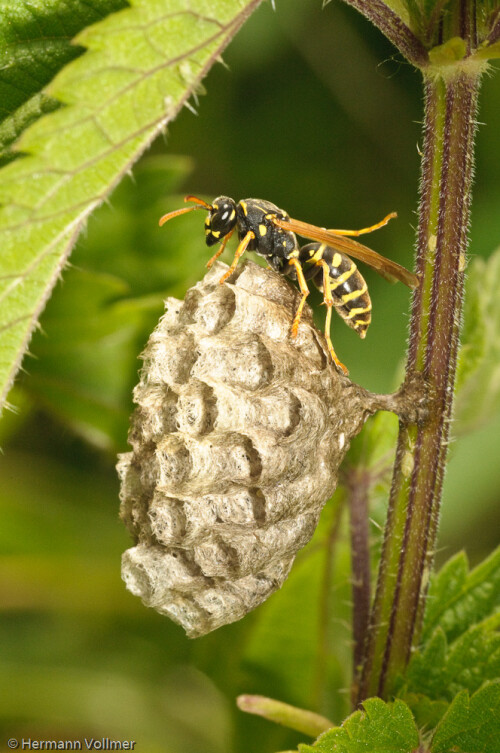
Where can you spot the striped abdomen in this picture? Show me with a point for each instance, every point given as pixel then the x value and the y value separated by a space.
pixel 348 288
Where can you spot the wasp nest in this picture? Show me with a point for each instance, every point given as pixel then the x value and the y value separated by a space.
pixel 237 438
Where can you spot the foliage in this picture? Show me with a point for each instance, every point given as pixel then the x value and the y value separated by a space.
pixel 478 385
pixel 460 647
pixel 98 319
pixel 35 45
pixel 380 728
pixel 82 655
pixel 128 84
pixel 470 724
pixel 451 689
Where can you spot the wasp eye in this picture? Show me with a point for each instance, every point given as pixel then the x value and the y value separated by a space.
pixel 222 219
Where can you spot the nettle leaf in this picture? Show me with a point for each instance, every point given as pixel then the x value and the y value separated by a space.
pixel 471 724
pixel 460 641
pixel 35 43
pixel 478 376
pixel 380 728
pixel 459 599
pixel 473 658
pixel 427 713
pixel 141 66
pixel 441 671
pixel 99 318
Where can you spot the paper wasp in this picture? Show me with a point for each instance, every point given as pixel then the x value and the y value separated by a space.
pixel 270 232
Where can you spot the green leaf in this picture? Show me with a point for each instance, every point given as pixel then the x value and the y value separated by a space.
pixel 445 586
pixel 473 658
pixel 380 728
pixel 140 67
pixel 35 43
pixel 460 640
pixel 478 376
pixel 85 357
pixel 459 599
pixel 440 671
pixel 427 713
pixel 425 669
pixel 472 724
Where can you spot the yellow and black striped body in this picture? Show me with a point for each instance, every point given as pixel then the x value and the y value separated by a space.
pixel 348 288
pixel 269 231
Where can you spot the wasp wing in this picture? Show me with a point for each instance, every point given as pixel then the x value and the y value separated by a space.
pixel 389 269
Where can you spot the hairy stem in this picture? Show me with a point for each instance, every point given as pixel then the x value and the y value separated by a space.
pixel 450 111
pixel 394 29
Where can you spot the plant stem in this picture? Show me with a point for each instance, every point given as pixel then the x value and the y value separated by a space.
pixel 357 483
pixel 393 27
pixel 450 111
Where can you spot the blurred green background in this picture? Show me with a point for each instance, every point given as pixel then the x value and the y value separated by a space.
pixel 315 112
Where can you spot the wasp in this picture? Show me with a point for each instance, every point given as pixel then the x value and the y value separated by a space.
pixel 270 232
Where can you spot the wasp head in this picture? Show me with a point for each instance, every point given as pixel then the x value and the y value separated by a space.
pixel 221 219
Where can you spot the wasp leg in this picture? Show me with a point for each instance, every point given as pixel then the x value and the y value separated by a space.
pixel 221 249
pixel 305 292
pixel 239 252
pixel 365 230
pixel 328 301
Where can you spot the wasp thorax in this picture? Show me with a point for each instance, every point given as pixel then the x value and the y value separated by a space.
pixel 221 219
pixel 236 441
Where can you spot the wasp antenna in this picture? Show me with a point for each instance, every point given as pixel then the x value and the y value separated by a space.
pixel 175 213
pixel 198 201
